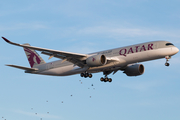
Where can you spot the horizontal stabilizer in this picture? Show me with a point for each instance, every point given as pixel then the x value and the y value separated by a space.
pixel 23 68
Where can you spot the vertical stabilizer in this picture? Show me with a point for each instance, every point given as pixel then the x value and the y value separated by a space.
pixel 33 57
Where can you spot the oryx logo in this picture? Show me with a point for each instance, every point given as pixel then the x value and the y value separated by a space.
pixel 93 59
pixel 32 57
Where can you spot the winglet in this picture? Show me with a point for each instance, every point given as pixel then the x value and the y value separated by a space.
pixel 6 39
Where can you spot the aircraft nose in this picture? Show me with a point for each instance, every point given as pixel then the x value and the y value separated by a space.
pixel 175 49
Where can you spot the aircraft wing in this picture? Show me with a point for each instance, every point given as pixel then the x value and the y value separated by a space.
pixel 74 58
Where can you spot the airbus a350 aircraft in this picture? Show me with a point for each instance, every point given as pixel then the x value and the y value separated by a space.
pixel 125 59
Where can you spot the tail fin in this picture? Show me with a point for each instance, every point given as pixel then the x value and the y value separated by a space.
pixel 33 57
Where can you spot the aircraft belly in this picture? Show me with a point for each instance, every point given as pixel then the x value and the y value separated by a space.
pixel 60 71
pixel 110 66
pixel 64 71
pixel 75 70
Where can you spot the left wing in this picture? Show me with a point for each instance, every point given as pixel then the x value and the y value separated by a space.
pixel 75 58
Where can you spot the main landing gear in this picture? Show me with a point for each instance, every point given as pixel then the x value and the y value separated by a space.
pixel 86 74
pixel 167 59
pixel 106 79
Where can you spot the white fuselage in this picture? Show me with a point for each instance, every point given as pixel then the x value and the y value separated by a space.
pixel 121 56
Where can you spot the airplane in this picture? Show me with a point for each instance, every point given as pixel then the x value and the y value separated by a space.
pixel 124 59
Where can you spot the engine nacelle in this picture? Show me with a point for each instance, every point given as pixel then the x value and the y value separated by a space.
pixel 96 60
pixel 134 70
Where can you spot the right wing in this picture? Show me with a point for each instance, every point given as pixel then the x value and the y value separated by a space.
pixel 75 58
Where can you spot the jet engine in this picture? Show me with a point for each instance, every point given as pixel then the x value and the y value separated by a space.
pixel 96 60
pixel 134 70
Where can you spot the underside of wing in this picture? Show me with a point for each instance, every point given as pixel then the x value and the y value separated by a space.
pixel 77 60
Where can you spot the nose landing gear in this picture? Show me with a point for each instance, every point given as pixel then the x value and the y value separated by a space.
pixel 167 59
pixel 167 64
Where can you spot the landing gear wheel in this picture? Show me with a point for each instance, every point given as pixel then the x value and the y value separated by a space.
pixel 167 64
pixel 90 75
pixel 102 79
pixel 106 79
pixel 86 75
pixel 82 74
pixel 110 80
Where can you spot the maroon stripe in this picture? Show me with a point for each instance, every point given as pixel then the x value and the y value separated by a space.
pixel 5 39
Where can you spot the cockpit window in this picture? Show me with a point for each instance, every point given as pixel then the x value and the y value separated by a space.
pixel 167 44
